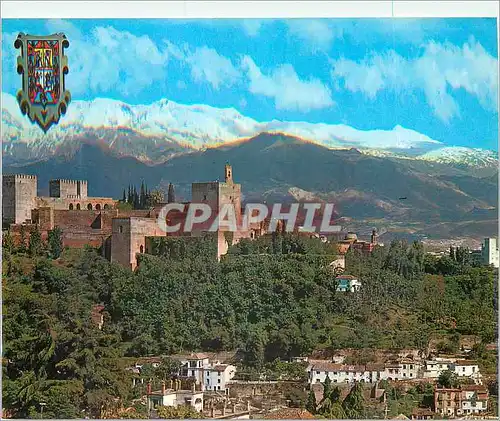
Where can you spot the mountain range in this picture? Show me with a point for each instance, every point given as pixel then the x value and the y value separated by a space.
pixel 156 132
pixel 398 181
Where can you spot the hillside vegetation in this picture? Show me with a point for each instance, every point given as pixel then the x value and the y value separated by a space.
pixel 272 298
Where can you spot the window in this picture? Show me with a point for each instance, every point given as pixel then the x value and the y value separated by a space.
pixel 192 373
pixel 78 206
pixel 89 206
pixel 317 372
pixel 204 197
pixel 98 206
pixel 218 373
pixel 71 206
pixel 411 367
pixel 218 380
pixel 141 249
pixel 463 368
pixel 404 366
pixel 120 229
pixel 218 387
pixel 105 206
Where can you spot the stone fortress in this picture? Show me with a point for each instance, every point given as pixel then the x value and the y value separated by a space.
pixel 97 221
pixel 122 234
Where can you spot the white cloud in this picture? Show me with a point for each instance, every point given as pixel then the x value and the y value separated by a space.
pixel 318 34
pixel 286 88
pixel 440 71
pixel 11 81
pixel 252 26
pixel 101 61
pixel 207 65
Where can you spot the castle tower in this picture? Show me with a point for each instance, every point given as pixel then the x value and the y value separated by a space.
pixel 217 194
pixel 374 237
pixel 228 174
pixel 19 192
pixel 171 194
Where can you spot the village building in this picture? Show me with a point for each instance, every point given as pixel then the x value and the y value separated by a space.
pixel 466 400
pixel 422 414
pixel 175 396
pixel 347 283
pixel 462 368
pixel 489 251
pixel 369 373
pixel 217 377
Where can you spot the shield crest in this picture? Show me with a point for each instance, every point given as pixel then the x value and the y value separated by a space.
pixel 43 66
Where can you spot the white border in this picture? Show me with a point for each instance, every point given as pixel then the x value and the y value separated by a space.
pixel 246 9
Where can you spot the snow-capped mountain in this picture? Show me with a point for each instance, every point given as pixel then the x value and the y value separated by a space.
pixel 460 155
pixel 153 132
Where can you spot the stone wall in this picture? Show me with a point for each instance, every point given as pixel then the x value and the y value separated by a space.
pixel 129 238
pixel 73 203
pixel 241 389
pixel 68 188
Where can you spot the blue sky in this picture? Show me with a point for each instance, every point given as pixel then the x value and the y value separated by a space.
pixel 436 76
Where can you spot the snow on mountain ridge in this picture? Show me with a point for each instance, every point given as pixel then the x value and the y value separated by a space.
pixel 197 126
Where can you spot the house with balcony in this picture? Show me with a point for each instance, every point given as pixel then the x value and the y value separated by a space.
pixel 175 395
pixel 465 400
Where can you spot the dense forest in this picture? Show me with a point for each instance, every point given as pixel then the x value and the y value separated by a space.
pixel 272 298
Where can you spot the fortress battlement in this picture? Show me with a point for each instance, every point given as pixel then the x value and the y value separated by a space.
pixel 20 176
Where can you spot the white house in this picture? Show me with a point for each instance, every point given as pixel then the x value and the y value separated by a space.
pixel 347 283
pixel 370 373
pixel 475 401
pixel 194 366
pixel 434 368
pixel 490 252
pixel 212 375
pixel 216 377
pixel 462 368
pixel 467 368
pixel 409 369
pixel 342 373
pixel 175 397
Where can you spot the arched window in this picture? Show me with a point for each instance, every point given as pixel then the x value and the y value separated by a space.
pixel 71 206
pixel 89 206
pixel 141 249
pixel 106 206
pixel 78 206
pixel 98 206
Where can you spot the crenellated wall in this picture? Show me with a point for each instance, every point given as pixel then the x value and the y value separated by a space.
pixel 18 197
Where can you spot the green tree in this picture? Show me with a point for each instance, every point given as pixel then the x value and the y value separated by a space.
pixel 447 379
pixel 311 402
pixel 7 242
pixel 35 243
pixel 55 242
pixel 353 403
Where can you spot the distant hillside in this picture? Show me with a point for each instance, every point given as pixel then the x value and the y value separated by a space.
pixel 277 168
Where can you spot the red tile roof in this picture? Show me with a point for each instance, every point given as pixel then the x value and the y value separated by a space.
pixel 465 362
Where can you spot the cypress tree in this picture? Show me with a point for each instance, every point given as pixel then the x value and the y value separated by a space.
pixel 142 197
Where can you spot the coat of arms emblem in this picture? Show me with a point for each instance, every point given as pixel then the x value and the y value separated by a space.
pixel 43 66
